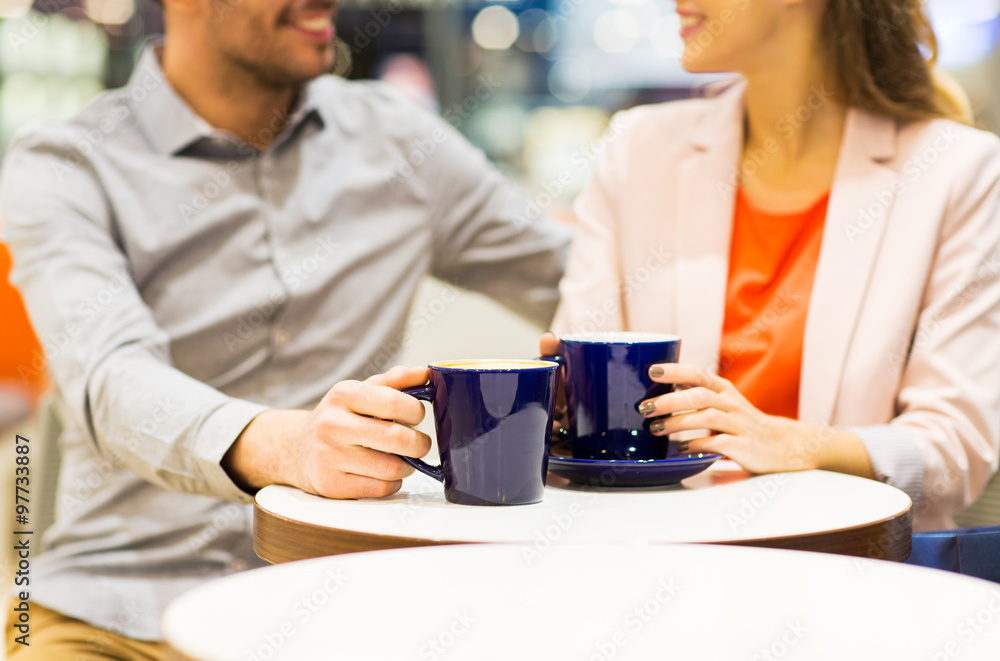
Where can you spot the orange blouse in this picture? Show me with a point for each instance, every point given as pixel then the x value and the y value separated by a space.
pixel 772 261
pixel 21 360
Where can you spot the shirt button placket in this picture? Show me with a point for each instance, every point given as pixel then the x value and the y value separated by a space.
pixel 280 337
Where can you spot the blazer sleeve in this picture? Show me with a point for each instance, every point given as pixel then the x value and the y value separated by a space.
pixel 591 291
pixel 943 445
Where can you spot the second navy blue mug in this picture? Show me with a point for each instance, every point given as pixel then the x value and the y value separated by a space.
pixel 493 420
pixel 606 377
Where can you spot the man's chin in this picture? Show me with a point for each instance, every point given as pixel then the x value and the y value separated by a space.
pixel 296 74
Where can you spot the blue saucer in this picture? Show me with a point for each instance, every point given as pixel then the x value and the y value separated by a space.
pixel 624 473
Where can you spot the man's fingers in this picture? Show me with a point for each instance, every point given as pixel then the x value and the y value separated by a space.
pixel 375 400
pixel 371 448
pixel 401 378
pixel 687 375
pixel 350 486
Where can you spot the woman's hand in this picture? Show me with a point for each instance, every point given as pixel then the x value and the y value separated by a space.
pixel 758 442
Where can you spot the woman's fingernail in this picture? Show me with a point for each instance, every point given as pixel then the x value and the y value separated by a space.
pixel 683 448
pixel 647 408
pixel 657 426
pixel 656 371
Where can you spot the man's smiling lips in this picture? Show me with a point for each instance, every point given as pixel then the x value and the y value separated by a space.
pixel 317 25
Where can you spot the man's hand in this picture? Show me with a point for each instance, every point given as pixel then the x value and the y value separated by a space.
pixel 345 448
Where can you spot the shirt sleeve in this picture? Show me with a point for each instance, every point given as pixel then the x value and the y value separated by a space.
pixel 895 456
pixel 487 236
pixel 943 444
pixel 109 359
pixel 592 288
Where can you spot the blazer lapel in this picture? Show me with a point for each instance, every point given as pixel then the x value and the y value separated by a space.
pixel 861 201
pixel 706 199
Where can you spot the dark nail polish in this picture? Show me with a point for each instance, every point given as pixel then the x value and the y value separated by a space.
pixel 647 408
pixel 656 371
pixel 657 426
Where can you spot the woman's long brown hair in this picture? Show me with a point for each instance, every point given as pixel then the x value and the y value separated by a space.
pixel 883 53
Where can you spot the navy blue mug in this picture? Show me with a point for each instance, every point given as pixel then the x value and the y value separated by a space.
pixel 493 420
pixel 606 377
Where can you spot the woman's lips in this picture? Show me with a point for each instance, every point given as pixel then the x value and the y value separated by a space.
pixel 690 24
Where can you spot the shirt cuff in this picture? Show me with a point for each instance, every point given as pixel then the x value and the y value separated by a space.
pixel 896 458
pixel 217 434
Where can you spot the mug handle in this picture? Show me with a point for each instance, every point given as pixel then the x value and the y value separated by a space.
pixel 424 394
pixel 558 360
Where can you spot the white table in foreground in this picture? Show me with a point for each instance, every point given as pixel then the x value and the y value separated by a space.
pixel 813 510
pixel 500 602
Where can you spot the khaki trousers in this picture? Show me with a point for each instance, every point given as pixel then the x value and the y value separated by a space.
pixel 55 637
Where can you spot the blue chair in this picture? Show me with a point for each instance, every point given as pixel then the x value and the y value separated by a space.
pixel 969 551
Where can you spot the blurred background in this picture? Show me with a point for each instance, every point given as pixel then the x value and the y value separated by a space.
pixel 532 82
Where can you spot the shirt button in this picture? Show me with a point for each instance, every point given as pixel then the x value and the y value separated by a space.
pixel 282 338
pixel 238 564
pixel 266 164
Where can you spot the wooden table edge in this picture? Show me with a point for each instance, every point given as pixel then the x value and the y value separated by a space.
pixel 278 539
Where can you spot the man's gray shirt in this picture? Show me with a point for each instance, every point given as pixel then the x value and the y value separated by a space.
pixel 182 283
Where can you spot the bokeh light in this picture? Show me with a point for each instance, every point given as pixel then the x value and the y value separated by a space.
pixel 109 12
pixel 495 28
pixel 616 31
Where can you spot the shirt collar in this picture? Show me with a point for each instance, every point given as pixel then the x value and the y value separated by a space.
pixel 171 126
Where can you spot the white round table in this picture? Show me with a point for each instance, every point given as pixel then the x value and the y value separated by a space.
pixel 586 603
pixel 813 510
